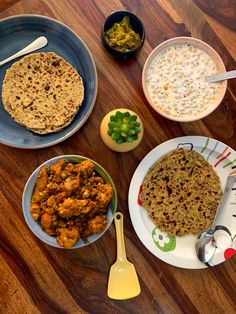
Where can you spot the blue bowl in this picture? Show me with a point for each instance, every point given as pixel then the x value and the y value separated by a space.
pixel 35 226
pixel 136 25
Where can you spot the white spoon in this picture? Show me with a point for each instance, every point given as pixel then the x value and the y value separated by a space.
pixel 36 44
pixel 221 76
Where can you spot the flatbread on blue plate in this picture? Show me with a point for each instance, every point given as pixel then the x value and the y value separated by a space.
pixel 42 92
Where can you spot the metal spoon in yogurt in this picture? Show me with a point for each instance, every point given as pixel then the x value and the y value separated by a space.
pixel 35 45
pixel 221 76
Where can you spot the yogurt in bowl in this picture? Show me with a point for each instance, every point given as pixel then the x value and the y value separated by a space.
pixel 174 79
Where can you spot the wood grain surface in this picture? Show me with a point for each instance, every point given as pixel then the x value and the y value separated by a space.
pixel 36 278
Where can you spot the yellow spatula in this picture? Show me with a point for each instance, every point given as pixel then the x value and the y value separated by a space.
pixel 123 281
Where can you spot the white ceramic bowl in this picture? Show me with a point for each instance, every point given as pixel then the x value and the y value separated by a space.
pixel 214 56
pixel 36 227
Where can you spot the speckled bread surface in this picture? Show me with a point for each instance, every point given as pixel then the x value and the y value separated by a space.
pixel 181 193
pixel 42 92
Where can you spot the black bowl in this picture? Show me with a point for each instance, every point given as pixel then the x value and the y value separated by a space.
pixel 136 25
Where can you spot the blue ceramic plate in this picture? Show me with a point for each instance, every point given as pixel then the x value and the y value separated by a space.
pixel 16 32
pixel 29 190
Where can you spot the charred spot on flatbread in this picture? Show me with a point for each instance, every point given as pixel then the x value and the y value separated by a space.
pixel 42 92
pixel 181 193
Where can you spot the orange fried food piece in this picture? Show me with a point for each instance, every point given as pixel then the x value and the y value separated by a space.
pixel 85 168
pixel 52 188
pixel 41 184
pixel 70 169
pixel 60 197
pixel 56 169
pixel 50 206
pixel 48 223
pixel 97 224
pixel 71 207
pixel 35 211
pixel 72 184
pixel 94 181
pixel 67 237
pixel 89 207
pixel 104 195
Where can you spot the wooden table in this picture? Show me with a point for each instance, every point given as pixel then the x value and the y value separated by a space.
pixel 36 278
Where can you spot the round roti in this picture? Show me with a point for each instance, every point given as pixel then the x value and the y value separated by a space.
pixel 42 92
pixel 181 193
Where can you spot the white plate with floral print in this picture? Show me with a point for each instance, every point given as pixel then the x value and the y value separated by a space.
pixel 175 250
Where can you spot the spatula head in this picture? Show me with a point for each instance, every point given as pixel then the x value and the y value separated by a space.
pixel 123 281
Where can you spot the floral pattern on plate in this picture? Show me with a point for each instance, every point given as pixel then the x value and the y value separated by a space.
pixel 163 241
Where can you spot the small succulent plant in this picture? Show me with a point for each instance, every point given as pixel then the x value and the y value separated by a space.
pixel 123 127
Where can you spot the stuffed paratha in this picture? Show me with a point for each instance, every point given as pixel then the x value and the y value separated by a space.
pixel 42 92
pixel 181 193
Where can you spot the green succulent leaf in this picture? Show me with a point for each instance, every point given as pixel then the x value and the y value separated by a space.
pixel 115 135
pixel 130 138
pixel 137 130
pixel 126 120
pixel 133 118
pixel 111 124
pixel 120 140
pixel 123 127
pixel 109 132
pixel 126 114
pixel 131 132
pixel 118 121
pixel 119 115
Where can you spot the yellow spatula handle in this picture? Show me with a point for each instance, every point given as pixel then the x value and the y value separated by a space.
pixel 121 254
